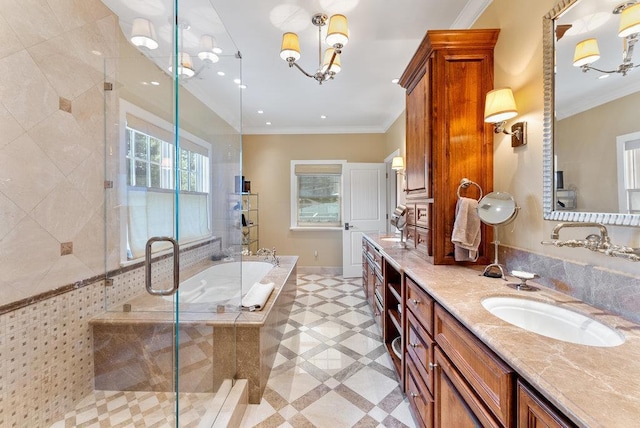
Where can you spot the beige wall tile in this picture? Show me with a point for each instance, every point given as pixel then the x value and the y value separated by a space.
pixel 33 21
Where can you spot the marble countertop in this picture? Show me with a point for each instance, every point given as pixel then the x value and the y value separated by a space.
pixel 592 386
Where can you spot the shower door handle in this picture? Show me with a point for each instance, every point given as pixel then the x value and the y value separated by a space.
pixel 176 266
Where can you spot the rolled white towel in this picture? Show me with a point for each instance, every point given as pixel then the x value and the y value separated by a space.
pixel 257 296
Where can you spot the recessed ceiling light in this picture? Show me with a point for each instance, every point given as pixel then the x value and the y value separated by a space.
pixel 217 50
pixel 268 123
pixel 603 76
pixel 323 117
pixel 395 81
pixel 145 83
pixel 154 83
pixel 96 53
pixel 220 73
pixel 237 81
pixel 242 86
pixel 260 111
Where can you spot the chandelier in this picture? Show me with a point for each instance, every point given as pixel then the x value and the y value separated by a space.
pixel 587 51
pixel 337 37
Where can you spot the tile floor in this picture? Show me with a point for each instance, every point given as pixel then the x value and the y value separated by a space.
pixel 332 370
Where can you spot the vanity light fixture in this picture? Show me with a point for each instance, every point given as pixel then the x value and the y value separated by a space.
pixel 337 37
pixel 499 107
pixel 397 164
pixel 587 51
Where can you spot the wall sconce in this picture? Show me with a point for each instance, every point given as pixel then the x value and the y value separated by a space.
pixel 397 164
pixel 499 107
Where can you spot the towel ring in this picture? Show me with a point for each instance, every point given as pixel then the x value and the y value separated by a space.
pixel 464 183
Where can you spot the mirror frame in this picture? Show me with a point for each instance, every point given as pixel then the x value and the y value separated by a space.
pixel 548 176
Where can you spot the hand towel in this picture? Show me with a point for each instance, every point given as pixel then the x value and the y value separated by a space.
pixel 257 296
pixel 466 231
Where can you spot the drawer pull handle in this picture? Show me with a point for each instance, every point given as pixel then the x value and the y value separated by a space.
pixel 413 345
pixel 433 365
pixel 415 301
pixel 414 394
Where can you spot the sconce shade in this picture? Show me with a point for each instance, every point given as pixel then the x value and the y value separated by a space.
pixel 336 66
pixel 185 69
pixel 290 47
pixel 338 32
pixel 629 21
pixel 586 52
pixel 143 34
pixel 397 163
pixel 207 49
pixel 499 106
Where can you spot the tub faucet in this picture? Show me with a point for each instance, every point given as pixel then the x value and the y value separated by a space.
pixel 269 254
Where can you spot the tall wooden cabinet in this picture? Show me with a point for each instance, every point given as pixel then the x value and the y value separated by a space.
pixel 446 137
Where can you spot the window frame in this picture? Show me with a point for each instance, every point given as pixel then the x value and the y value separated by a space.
pixel 294 226
pixel 124 165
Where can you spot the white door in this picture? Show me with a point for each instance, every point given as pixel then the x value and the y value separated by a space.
pixel 364 209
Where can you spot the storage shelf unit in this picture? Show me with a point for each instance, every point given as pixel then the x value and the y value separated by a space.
pixel 250 223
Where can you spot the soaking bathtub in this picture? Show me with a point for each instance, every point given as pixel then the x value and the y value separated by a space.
pixel 132 347
pixel 219 284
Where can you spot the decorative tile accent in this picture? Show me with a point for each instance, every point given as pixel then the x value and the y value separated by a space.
pixel 65 105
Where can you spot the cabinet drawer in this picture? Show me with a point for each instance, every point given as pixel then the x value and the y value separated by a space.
pixel 419 396
pixel 455 403
pixel 534 411
pixel 423 240
pixel 420 349
pixel 491 379
pixel 422 215
pixel 411 215
pixel 420 303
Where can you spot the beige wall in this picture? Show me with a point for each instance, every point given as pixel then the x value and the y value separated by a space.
pixel 266 163
pixel 518 64
pixel 587 154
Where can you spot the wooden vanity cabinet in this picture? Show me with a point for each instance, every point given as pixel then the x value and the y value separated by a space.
pixel 479 376
pixel 446 137
pixel 393 317
pixel 372 279
pixel 419 349
pixel 535 412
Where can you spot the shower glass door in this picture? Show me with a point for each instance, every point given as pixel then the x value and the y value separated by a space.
pixel 172 155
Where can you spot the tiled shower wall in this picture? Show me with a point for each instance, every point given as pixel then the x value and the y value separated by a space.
pixel 52 142
pixel 46 348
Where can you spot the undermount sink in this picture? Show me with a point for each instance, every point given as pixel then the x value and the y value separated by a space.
pixel 391 238
pixel 553 321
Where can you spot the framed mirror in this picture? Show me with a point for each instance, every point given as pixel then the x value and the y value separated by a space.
pixel 591 131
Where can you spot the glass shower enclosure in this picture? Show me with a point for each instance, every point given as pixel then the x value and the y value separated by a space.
pixel 172 154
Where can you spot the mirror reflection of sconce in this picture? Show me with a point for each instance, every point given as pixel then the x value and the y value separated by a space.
pixel 499 107
pixel 397 164
pixel 587 51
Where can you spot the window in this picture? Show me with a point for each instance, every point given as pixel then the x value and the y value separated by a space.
pixel 152 174
pixel 316 188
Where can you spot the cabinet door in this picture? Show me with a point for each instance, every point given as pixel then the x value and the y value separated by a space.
pixel 417 130
pixel 455 403
pixel 534 412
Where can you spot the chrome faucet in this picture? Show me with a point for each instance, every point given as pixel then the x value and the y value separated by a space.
pixel 269 253
pixel 604 235
pixel 593 242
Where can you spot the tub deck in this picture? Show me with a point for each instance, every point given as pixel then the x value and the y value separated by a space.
pixel 134 350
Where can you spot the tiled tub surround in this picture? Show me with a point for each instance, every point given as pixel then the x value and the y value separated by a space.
pixel 46 342
pixel 133 350
pixel 592 386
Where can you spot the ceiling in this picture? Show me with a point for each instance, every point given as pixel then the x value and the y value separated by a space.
pixel 361 99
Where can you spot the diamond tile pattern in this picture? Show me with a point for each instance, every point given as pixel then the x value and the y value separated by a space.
pixel 331 370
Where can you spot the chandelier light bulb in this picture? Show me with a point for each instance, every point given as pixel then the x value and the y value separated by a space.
pixel 143 34
pixel 629 20
pixel 338 32
pixel 208 49
pixel 290 49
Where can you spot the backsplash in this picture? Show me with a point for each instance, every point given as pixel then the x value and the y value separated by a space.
pixel 615 292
